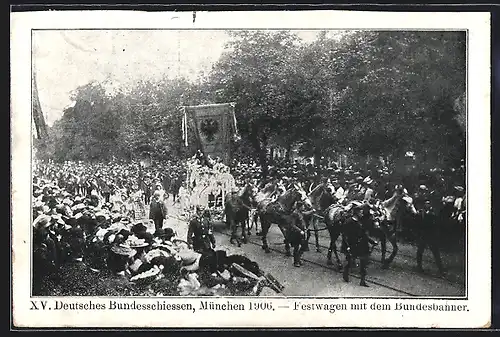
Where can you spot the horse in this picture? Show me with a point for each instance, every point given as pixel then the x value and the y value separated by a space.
pixel 393 211
pixel 279 211
pixel 322 196
pixel 267 195
pixel 236 209
pixel 335 215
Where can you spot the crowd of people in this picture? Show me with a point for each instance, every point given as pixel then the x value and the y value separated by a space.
pixel 89 223
pixel 92 236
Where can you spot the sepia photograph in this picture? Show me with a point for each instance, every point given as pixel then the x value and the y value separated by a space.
pixel 231 163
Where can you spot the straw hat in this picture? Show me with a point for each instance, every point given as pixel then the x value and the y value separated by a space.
pixel 190 260
pixel 42 221
pixel 368 180
pixel 135 242
pixel 123 250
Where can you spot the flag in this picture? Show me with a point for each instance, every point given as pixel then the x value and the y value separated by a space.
pixel 214 126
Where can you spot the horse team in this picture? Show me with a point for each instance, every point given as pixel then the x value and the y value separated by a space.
pixel 295 211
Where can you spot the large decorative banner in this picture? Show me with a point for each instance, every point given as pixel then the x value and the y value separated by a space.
pixel 214 126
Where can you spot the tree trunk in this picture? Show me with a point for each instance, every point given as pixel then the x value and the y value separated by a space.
pixel 288 155
pixel 261 150
pixel 317 156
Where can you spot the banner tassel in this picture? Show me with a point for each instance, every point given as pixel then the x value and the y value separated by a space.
pixel 185 128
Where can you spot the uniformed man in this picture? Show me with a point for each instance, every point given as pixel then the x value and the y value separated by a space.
pixel 355 243
pixel 427 229
pixel 200 232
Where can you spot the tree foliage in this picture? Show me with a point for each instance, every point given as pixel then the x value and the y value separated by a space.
pixel 377 93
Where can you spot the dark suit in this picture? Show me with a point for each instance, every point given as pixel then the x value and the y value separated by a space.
pixel 157 212
pixel 355 244
pixel 200 234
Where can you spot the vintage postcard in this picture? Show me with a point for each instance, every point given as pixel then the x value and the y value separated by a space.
pixel 250 169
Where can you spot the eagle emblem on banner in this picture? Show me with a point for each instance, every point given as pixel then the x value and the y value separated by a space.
pixel 209 128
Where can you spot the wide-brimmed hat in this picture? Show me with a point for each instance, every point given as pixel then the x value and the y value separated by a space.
pixel 123 250
pixel 58 219
pixel 78 207
pixel 42 221
pixel 423 187
pixel 164 233
pixel 101 216
pixel 79 199
pixel 190 260
pixel 138 227
pixel 368 180
pixel 135 242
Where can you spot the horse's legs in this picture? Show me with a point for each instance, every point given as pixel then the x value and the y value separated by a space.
pixel 337 258
pixel 316 235
pixel 256 218
pixel 296 255
pixel 234 235
pixel 265 224
pixel 332 245
pixel 308 236
pixel 228 221
pixel 287 243
pixel 347 267
pixel 244 226
pixel 301 249
pixel 385 235
pixel 394 242
pixel 250 224
pixel 383 248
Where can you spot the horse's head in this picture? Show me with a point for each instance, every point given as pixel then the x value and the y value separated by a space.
pixel 300 195
pixel 408 205
pixel 250 192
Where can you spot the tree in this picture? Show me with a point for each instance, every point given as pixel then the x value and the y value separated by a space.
pixel 255 72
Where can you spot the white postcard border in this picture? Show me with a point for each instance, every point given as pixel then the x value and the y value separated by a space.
pixel 478 171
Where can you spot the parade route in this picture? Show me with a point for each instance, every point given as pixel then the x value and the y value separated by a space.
pixel 316 278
